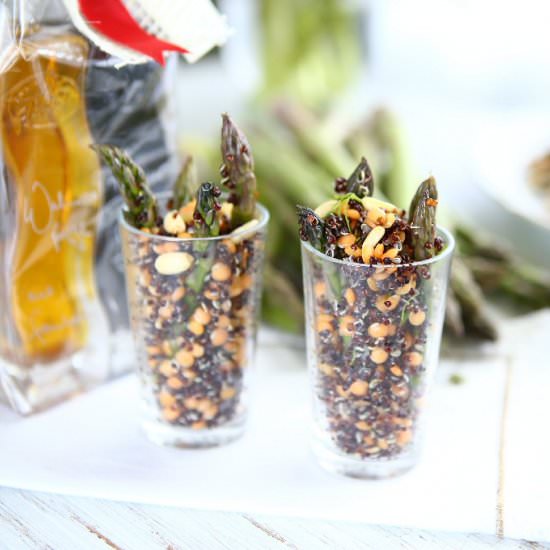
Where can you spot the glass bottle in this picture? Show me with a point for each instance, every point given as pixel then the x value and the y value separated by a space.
pixel 51 192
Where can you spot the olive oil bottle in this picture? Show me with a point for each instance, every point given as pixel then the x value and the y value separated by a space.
pixel 52 186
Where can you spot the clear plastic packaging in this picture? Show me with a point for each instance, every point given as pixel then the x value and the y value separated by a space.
pixel 59 286
pixel 194 307
pixel 373 336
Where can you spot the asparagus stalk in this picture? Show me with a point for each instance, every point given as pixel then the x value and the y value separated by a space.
pixel 206 222
pixel 471 301
pixel 282 305
pixel 141 204
pixel 397 182
pixel 311 227
pixel 523 283
pixel 297 177
pixel 422 214
pixel 472 243
pixel 185 186
pixel 361 181
pixel 453 315
pixel 312 138
pixel 237 171
pixel 497 270
pixel 310 49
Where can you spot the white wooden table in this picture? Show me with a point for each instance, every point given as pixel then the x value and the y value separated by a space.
pixel 30 520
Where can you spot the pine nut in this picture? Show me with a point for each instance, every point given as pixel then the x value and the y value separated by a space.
pixel 175 383
pixel 375 217
pixel 202 316
pixel 352 214
pixel 416 318
pixel 359 388
pixel 390 220
pixel 178 294
pixel 387 303
pixel 173 263
pixel 218 337
pixel 326 369
pixel 346 240
pixel 166 399
pixel 320 289
pixel 349 295
pixel 220 272
pixel 227 392
pixel 378 251
pixel 379 355
pixel 371 202
pixel 345 327
pixel 198 350
pixel 186 212
pixel 170 414
pixel 378 330
pixel 185 358
pixel 414 358
pixel 396 371
pixel 195 327
pixel 167 369
pixel 173 223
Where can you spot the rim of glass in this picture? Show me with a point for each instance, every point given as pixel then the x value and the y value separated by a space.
pixel 263 215
pixel 447 251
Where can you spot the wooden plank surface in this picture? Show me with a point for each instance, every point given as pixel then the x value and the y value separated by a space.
pixel 30 520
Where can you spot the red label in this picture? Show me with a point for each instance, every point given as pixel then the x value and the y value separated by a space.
pixel 112 19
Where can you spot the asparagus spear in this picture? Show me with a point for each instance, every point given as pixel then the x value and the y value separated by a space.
pixel 397 179
pixel 453 315
pixel 313 139
pixel 237 171
pixel 282 305
pixel 206 222
pixel 309 49
pixel 361 181
pixel 422 219
pixel 185 186
pixel 527 285
pixel 472 243
pixel 296 176
pixel 142 205
pixel 471 301
pixel 311 227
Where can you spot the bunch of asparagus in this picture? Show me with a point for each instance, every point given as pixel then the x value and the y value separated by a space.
pixel 308 49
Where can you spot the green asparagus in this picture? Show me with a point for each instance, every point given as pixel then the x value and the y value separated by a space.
pixel 422 213
pixel 205 218
pixel 466 290
pixel 237 171
pixel 185 186
pixel 361 182
pixel 141 204
pixel 311 227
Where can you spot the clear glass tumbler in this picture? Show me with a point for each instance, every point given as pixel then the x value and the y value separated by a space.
pixel 373 336
pixel 194 307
